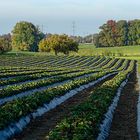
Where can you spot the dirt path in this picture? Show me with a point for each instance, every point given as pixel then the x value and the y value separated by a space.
pixel 40 127
pixel 124 125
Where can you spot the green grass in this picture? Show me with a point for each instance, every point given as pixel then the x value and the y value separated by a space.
pixel 127 52
pixel 124 51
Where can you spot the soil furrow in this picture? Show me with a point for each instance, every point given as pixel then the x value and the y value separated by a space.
pixel 124 124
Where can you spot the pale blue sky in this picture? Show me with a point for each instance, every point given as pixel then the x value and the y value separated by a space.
pixel 57 15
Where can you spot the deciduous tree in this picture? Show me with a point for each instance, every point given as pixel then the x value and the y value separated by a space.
pixel 26 36
pixel 5 43
pixel 58 43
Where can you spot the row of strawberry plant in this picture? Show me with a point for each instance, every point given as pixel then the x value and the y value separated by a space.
pixel 91 61
pixel 120 63
pixel 87 63
pixel 8 68
pixel 78 62
pixel 16 89
pixel 101 64
pixel 25 59
pixel 110 64
pixel 7 74
pixel 117 64
pixel 37 76
pixel 60 61
pixel 14 110
pixel 23 73
pixel 18 62
pixel 28 69
pixel 70 61
pixel 84 121
pixel 22 69
pixel 87 60
pixel 124 65
pixel 73 60
pixel 31 77
pixel 56 62
pixel 102 59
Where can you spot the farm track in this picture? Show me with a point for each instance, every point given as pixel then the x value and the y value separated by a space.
pixel 124 122
pixel 40 127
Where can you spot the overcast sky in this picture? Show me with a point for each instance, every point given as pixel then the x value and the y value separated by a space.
pixel 57 16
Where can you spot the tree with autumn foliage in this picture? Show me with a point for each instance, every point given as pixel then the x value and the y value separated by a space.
pixel 58 43
pixel 120 33
pixel 108 34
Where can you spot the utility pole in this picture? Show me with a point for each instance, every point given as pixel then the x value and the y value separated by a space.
pixel 73 28
pixel 42 28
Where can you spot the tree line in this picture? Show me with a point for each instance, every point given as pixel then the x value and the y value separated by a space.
pixel 118 33
pixel 28 37
pixel 114 33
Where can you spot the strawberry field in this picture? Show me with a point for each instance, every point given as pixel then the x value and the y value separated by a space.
pixel 32 86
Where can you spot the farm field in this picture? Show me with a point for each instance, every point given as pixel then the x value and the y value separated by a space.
pixel 73 92
pixel 69 70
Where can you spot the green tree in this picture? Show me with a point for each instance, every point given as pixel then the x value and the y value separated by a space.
pixel 134 32
pixel 58 43
pixel 119 33
pixel 43 46
pixel 26 36
pixel 113 34
pixel 5 43
pixel 122 33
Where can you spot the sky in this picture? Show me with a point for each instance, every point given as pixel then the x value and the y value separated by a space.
pixel 57 16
